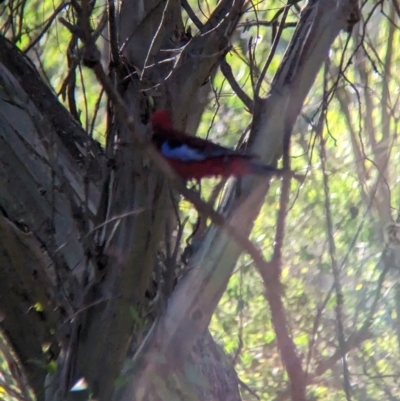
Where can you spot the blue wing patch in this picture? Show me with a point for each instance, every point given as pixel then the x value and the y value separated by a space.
pixel 182 152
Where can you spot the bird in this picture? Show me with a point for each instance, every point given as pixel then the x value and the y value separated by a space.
pixel 196 158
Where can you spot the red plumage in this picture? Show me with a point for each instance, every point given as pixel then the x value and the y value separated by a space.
pixel 196 158
pixel 161 119
pixel 236 166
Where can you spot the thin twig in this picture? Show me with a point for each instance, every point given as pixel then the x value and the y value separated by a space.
pixel 252 63
pixel 248 389
pixel 85 102
pixel 249 24
pixel 96 110
pixel 112 32
pixel 272 51
pixel 331 242
pixel 216 106
pixel 155 38
pixel 45 28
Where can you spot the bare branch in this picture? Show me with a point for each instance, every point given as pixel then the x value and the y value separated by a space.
pixel 271 52
pixel 46 27
pixel 112 32
pixel 191 14
pixel 227 71
pixel 332 247
pixel 271 274
pixel 71 134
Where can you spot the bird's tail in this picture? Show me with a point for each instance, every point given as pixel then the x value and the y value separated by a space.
pixel 265 169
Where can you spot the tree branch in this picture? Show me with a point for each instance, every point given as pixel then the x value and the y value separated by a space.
pixel 242 95
pixel 71 134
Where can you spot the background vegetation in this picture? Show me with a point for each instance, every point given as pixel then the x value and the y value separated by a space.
pixel 311 309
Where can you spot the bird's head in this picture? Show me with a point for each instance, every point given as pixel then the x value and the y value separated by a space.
pixel 161 119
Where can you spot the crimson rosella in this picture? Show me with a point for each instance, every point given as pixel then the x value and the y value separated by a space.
pixel 196 158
